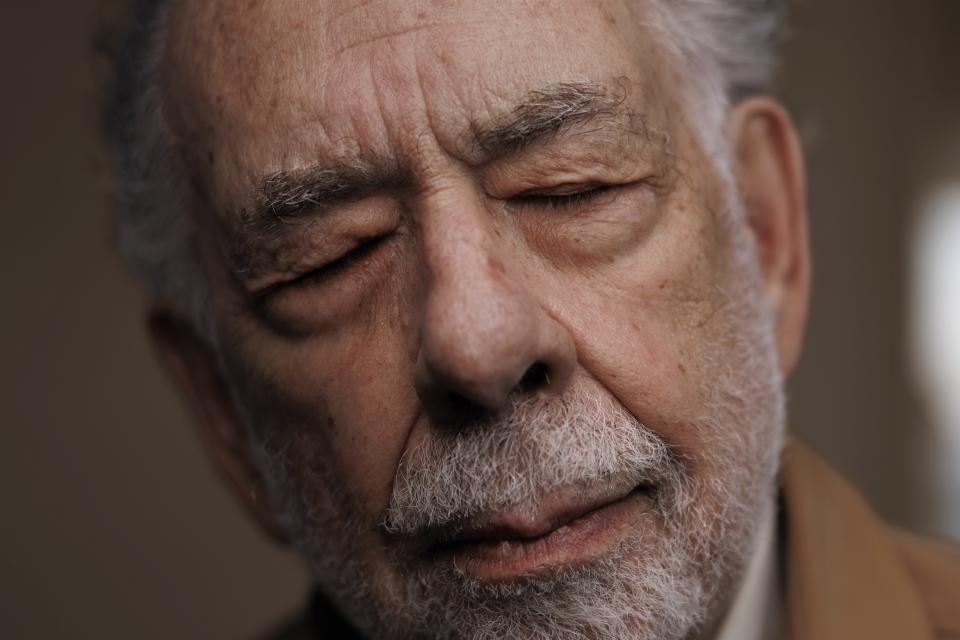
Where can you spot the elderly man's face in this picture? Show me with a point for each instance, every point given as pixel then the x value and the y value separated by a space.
pixel 488 307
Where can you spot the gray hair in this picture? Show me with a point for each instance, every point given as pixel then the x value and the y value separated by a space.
pixel 727 46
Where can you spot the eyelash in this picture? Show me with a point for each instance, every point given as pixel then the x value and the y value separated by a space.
pixel 559 201
pixel 341 265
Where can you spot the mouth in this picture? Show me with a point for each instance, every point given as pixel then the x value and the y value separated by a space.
pixel 567 529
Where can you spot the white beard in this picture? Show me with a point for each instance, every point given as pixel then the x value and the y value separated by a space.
pixel 659 584
pixel 663 582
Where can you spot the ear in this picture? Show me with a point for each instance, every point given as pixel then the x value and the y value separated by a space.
pixel 194 368
pixel 771 177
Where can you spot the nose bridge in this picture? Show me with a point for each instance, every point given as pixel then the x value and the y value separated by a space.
pixel 482 330
pixel 474 305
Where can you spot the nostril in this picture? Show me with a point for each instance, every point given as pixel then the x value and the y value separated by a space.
pixel 537 377
pixel 457 411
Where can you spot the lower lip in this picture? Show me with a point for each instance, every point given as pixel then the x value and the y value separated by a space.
pixel 579 541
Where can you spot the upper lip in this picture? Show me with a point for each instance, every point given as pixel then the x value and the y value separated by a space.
pixel 554 511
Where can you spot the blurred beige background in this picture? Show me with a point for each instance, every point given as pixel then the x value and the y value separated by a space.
pixel 112 526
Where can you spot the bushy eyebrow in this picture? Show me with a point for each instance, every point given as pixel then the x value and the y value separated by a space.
pixel 546 112
pixel 284 196
pixel 285 200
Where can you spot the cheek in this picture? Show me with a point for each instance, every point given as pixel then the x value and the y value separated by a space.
pixel 647 360
pixel 650 327
pixel 351 393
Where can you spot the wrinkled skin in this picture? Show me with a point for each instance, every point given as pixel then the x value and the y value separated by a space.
pixel 662 293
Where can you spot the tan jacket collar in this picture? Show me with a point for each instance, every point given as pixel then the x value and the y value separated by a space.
pixel 845 580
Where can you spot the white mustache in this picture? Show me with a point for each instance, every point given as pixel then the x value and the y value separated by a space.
pixel 511 462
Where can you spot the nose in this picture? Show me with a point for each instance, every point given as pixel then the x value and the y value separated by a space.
pixel 484 335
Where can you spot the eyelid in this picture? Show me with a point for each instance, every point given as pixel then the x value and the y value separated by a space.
pixel 564 195
pixel 565 189
pixel 329 269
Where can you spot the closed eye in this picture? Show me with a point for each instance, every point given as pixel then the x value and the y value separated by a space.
pixel 564 197
pixel 340 266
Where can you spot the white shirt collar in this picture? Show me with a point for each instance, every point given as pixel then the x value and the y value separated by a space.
pixel 756 610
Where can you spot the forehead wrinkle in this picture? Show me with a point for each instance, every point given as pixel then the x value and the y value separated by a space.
pixel 385 27
pixel 426 73
pixel 351 9
pixel 385 36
